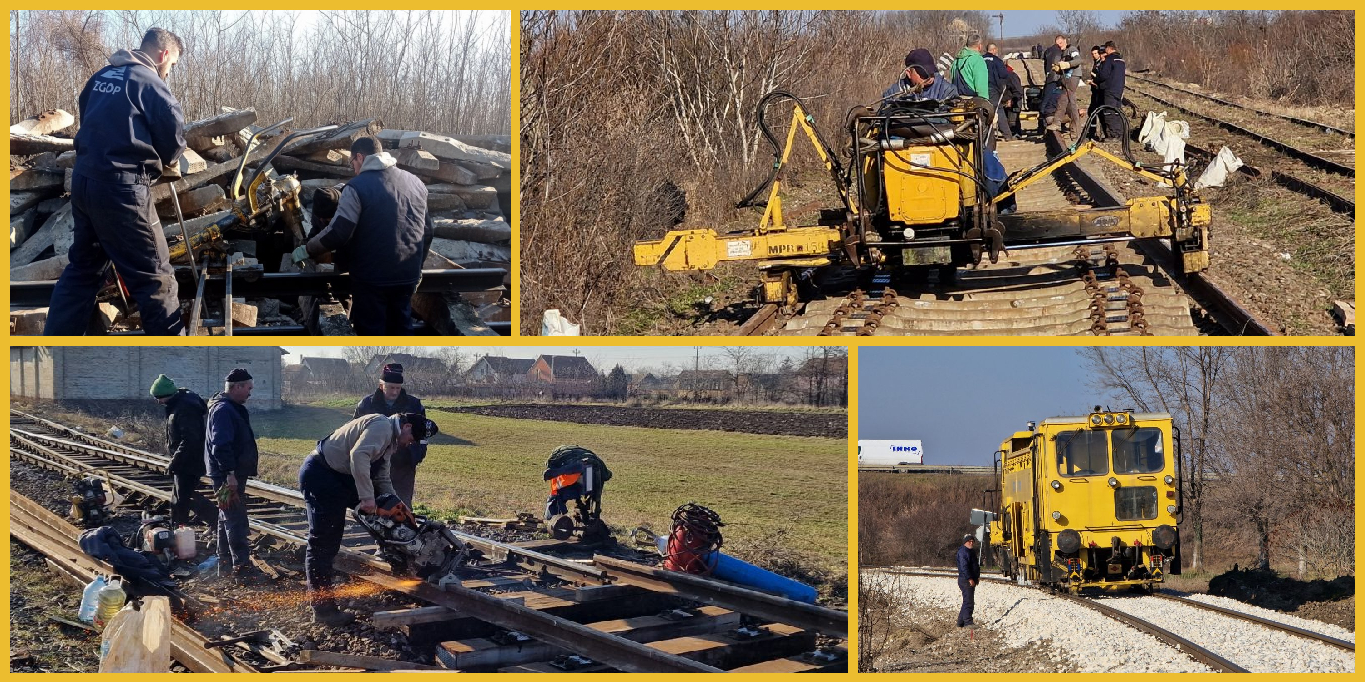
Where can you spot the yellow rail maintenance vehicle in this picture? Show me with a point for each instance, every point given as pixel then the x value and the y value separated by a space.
pixel 1088 502
pixel 920 185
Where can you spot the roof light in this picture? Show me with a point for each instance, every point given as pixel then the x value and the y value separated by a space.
pixel 1121 418
pixel 1109 419
pixel 1056 485
pixel 1095 419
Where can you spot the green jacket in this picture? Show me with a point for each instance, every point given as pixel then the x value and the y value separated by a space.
pixel 973 69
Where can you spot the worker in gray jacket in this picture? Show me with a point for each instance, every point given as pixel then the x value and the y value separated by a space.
pixel 349 468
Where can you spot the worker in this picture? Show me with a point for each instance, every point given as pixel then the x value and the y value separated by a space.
pixel 1015 100
pixel 185 414
pixel 968 575
pixel 1068 107
pixel 999 88
pixel 382 222
pixel 230 450
pixel 1054 62
pixel 1096 93
pixel 349 468
pixel 388 400
pixel 969 74
pixel 1110 78
pixel 920 80
pixel 131 128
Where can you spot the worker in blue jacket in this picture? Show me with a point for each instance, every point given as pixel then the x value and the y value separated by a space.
pixel 231 457
pixel 1110 77
pixel 968 575
pixel 390 399
pixel 132 127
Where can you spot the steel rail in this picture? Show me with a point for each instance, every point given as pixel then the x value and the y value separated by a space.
pixel 498 551
pixel 1190 649
pixel 277 284
pixel 830 622
pixel 1273 624
pixel 1285 148
pixel 1337 202
pixel 1234 318
pixel 1292 119
pixel 55 539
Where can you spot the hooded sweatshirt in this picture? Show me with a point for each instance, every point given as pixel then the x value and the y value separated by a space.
pixel 185 417
pixel 363 448
pixel 131 124
pixel 382 223
pixel 970 66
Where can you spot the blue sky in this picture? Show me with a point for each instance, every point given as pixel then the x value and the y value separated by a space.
pixel 963 401
pixel 1028 21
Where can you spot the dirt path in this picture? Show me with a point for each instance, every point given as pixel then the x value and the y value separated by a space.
pixel 739 421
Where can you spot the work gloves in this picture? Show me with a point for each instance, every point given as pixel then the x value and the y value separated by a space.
pixel 301 254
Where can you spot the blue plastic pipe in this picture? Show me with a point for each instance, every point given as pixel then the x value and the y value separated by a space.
pixel 728 568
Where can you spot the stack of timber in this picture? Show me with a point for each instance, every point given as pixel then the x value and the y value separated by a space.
pixel 468 182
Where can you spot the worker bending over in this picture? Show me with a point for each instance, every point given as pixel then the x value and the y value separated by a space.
pixel 349 468
pixel 391 399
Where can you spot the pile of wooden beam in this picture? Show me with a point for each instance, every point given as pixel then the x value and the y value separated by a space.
pixel 468 182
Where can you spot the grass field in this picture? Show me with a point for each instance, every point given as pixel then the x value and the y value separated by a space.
pixel 770 490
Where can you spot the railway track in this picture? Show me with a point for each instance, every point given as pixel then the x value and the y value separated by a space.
pixel 607 617
pixel 1114 287
pixel 1233 105
pixel 1201 654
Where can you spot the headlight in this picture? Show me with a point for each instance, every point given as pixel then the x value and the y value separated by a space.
pixel 909 234
pixel 1113 482
pixel 1095 419
pixel 1109 419
pixel 1056 516
pixel 1056 485
pixel 1169 480
pixel 1121 418
pixel 1069 541
pixel 1170 508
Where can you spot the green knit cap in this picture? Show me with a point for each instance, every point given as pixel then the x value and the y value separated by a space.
pixel 163 387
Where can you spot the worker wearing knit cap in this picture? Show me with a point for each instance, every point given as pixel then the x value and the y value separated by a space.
pixel 185 413
pixel 390 399
pixel 230 452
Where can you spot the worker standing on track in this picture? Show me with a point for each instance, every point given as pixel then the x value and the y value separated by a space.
pixel 185 416
pixel 349 468
pixel 968 575
pixel 230 450
pixel 131 128
pixel 383 224
pixel 1054 62
pixel 999 89
pixel 1096 92
pixel 1111 78
pixel 920 80
pixel 970 75
pixel 390 399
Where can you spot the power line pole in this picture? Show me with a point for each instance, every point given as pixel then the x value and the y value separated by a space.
pixel 696 370
pixel 1001 17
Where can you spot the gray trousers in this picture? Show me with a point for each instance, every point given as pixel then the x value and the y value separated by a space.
pixel 403 473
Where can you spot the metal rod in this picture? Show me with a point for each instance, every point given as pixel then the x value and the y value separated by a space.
pixel 189 250
pixel 227 302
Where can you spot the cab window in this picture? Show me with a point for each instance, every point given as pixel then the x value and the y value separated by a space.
pixel 1082 453
pixel 1138 451
pixel 1135 504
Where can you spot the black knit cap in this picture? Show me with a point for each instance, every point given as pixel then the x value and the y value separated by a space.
pixel 422 428
pixel 922 60
pixel 238 374
pixel 392 373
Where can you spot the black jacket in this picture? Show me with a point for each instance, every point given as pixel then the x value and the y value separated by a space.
pixel 230 444
pixel 968 564
pixel 131 124
pixel 1016 89
pixel 382 225
pixel 1112 75
pixel 405 404
pixel 185 414
pixel 998 76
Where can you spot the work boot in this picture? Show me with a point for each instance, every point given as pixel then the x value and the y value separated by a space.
pixel 327 613
pixel 1053 124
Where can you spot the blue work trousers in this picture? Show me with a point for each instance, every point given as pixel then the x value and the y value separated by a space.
pixel 114 223
pixel 964 617
pixel 233 528
pixel 327 495
pixel 382 311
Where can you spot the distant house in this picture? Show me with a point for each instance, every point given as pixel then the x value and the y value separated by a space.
pixel 650 385
pixel 323 369
pixel 562 369
pixel 706 384
pixel 495 369
pixel 413 366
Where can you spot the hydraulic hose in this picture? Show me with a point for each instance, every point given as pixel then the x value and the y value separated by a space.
pixel 750 199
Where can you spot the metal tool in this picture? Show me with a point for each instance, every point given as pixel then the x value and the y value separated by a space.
pixel 416 545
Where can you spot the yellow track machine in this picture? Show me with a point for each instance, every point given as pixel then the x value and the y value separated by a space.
pixel 920 187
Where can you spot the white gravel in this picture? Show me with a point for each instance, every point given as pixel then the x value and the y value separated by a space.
pixel 1254 647
pixel 1277 616
pixel 1087 639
